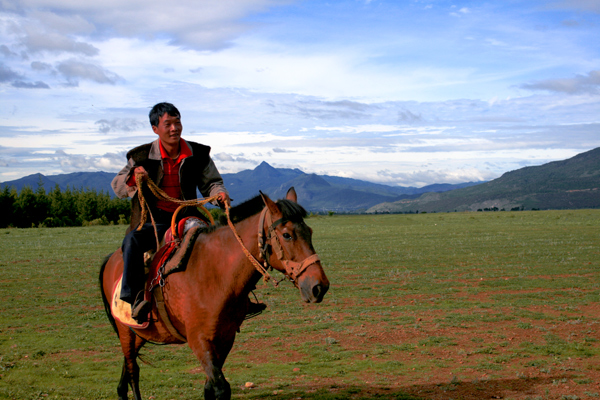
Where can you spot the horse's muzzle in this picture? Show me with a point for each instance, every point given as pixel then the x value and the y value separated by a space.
pixel 313 289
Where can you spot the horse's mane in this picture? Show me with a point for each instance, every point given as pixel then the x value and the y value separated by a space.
pixel 291 211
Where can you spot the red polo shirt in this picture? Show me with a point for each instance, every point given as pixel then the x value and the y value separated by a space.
pixel 170 181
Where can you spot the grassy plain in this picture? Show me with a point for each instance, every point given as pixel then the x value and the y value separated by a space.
pixel 429 306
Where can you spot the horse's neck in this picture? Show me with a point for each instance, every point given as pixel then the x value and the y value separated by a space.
pixel 243 268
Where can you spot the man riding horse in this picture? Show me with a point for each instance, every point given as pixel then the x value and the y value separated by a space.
pixel 179 168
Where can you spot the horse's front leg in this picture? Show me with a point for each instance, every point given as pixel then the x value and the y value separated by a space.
pixel 212 357
pixel 216 386
pixel 130 376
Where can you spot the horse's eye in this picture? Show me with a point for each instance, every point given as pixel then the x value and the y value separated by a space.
pixel 287 236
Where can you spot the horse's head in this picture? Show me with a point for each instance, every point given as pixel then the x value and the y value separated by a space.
pixel 289 247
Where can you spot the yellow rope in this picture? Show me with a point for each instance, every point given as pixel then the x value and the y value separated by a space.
pixel 161 195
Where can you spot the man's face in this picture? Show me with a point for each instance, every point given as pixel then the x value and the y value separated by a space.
pixel 169 129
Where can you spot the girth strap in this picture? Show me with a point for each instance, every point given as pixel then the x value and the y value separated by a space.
pixel 164 315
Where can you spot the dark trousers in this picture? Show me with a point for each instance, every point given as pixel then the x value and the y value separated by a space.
pixel 135 244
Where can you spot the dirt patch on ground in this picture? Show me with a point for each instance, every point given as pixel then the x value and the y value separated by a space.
pixel 547 352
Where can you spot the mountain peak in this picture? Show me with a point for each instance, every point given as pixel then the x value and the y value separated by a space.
pixel 265 171
pixel 264 166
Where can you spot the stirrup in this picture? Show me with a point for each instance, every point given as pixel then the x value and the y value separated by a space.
pixel 140 309
pixel 254 309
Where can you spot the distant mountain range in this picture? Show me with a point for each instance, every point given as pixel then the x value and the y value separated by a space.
pixel 98 181
pixel 315 192
pixel 321 192
pixel 568 184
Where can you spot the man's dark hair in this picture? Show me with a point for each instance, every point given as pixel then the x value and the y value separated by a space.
pixel 160 109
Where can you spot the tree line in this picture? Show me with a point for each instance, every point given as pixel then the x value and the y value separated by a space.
pixel 72 207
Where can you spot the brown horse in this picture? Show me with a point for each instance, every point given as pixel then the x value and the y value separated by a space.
pixel 208 301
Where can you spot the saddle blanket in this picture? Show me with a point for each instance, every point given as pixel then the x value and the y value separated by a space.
pixel 173 254
pixel 121 310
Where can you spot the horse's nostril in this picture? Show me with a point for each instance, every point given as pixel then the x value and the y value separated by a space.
pixel 317 291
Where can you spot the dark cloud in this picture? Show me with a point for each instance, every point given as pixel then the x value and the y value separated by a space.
pixel 580 5
pixel 580 84
pixel 30 85
pixel 40 66
pixel 16 79
pixel 119 125
pixel 280 150
pixel 62 22
pixel 6 52
pixel 7 74
pixel 73 70
pixel 327 110
pixel 570 23
pixel 408 117
pixel 347 104
pixel 37 40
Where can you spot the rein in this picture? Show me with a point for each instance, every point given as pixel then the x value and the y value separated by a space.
pixel 265 241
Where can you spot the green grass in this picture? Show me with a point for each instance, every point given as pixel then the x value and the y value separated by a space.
pixel 410 295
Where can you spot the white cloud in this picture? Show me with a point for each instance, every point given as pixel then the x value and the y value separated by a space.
pixel 383 86
pixel 426 177
pixel 206 25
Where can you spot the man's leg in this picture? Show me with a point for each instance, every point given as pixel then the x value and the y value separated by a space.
pixel 135 244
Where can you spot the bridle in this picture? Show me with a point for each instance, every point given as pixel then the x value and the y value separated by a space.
pixel 269 240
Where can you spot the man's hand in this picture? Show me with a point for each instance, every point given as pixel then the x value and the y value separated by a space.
pixel 223 198
pixel 141 171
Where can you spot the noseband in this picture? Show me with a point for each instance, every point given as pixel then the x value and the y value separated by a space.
pixel 269 241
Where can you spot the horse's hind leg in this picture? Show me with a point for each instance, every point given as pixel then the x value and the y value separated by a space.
pixel 130 376
pixel 123 387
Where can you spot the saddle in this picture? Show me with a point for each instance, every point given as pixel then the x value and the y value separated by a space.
pixel 171 257
pixel 175 251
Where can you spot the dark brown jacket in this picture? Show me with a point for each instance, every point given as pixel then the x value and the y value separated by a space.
pixel 197 172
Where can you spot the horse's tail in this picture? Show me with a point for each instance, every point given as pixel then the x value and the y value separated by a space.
pixel 104 298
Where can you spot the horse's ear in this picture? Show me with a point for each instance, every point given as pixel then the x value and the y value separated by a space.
pixel 291 195
pixel 270 204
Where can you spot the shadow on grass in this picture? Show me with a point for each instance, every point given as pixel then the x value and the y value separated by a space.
pixel 476 390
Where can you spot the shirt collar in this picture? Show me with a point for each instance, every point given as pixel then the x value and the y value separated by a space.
pixel 184 151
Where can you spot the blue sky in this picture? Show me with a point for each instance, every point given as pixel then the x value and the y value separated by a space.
pixel 398 92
